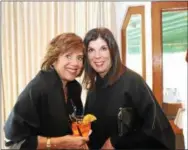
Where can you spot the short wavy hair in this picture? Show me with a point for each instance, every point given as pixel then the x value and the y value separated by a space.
pixel 59 45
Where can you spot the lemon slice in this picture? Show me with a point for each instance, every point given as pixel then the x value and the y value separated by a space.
pixel 89 118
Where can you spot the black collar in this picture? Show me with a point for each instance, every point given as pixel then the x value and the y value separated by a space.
pixel 102 82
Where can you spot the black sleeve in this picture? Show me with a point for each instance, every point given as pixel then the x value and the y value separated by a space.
pixel 94 142
pixel 89 102
pixel 154 123
pixel 23 120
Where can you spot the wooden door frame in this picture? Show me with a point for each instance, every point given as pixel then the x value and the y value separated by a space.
pixel 157 49
pixel 134 10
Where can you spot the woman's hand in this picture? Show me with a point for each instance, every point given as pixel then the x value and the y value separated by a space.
pixel 70 142
pixel 107 145
pixel 85 147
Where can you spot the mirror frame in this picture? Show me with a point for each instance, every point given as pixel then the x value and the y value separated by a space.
pixel 135 10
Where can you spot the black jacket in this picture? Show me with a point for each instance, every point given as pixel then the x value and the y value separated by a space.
pixel 41 110
pixel 149 129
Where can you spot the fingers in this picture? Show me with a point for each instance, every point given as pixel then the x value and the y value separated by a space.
pixel 86 139
pixel 85 147
pixel 83 142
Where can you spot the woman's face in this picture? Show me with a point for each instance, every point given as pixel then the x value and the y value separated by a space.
pixel 69 65
pixel 99 56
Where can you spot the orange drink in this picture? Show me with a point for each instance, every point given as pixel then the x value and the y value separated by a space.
pixel 82 125
pixel 81 129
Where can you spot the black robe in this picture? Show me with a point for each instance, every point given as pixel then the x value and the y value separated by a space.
pixel 150 129
pixel 41 110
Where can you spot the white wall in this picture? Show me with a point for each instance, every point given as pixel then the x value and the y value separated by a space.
pixel 121 10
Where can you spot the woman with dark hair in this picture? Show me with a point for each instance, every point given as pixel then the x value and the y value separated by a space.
pixel 128 115
pixel 40 117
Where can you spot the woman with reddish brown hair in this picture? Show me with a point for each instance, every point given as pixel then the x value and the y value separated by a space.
pixel 40 117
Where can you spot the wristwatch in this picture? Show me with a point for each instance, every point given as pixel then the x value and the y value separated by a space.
pixel 48 143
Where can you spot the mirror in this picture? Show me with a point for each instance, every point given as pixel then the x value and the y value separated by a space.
pixel 175 46
pixel 134 44
pixel 133 40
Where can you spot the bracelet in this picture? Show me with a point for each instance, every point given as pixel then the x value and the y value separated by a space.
pixel 48 143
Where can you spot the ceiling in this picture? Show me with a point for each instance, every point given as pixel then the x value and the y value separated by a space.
pixel 174 28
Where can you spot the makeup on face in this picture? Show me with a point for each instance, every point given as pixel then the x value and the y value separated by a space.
pixel 99 56
pixel 69 65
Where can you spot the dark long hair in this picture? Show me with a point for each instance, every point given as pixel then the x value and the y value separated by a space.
pixel 114 72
